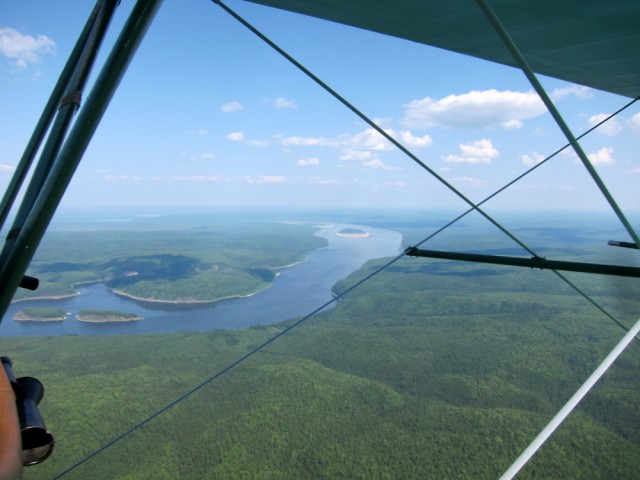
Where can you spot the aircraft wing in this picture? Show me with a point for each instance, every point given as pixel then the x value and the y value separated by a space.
pixel 589 42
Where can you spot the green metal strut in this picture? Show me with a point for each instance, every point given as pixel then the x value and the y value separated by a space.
pixel 534 262
pixel 71 153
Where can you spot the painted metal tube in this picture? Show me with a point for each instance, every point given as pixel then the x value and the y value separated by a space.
pixel 526 69
pixel 46 118
pixel 556 421
pixel 535 262
pixel 67 110
pixel 71 153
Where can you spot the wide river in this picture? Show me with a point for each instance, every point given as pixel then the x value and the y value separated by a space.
pixel 297 291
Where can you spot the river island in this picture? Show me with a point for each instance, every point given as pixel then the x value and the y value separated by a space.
pixel 40 314
pixel 103 316
pixel 352 233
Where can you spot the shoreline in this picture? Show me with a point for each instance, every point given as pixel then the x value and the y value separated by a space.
pixel 354 235
pixel 112 319
pixel 20 318
pixel 206 302
pixel 52 297
pixel 181 302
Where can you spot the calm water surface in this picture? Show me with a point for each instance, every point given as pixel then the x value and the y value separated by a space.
pixel 297 291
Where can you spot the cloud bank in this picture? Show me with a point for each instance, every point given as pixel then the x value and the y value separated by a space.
pixel 476 109
pixel 480 151
pixel 24 50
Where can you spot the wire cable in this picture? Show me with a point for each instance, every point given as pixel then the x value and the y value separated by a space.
pixel 371 123
pixel 527 172
pixel 297 323
pixel 539 164
pixel 378 270
pixel 413 157
pixel 224 370
pixel 407 152
pixel 526 69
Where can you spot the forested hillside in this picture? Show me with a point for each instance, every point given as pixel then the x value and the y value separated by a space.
pixel 430 370
pixel 223 259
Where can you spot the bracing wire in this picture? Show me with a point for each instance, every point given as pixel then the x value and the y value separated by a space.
pixel 520 177
pixel 232 365
pixel 338 297
pixel 553 111
pixel 413 157
pixel 584 389
pixel 371 123
pixel 378 270
pixel 537 165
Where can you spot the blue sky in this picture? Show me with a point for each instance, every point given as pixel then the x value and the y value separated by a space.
pixel 209 115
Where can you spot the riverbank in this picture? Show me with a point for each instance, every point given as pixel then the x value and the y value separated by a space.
pixel 106 319
pixel 190 302
pixel 298 288
pixel 157 301
pixel 21 317
pixel 51 297
pixel 41 314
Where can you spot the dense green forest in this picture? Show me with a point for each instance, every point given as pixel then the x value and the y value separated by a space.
pixel 41 314
pixel 93 315
pixel 431 369
pixel 205 264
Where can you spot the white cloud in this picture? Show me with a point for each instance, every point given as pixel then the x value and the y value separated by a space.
pixel 320 180
pixel 578 91
pixel 207 156
pixel 610 128
pixel 376 163
pixel 369 139
pixel 233 106
pixel 604 156
pixel 303 141
pixel 265 179
pixel 382 121
pixel 533 159
pixel 122 178
pixel 23 50
pixel 235 136
pixel 366 140
pixel 364 146
pixel 190 178
pixel 468 180
pixel 474 109
pixel 357 155
pixel 408 139
pixel 284 103
pixel 308 162
pixel 258 143
pixel 634 123
pixel 167 178
pixel 6 168
pixel 480 151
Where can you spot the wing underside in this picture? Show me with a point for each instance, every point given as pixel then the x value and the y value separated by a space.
pixel 588 42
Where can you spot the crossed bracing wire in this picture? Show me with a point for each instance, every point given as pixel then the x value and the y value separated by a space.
pixel 631 333
pixel 412 156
